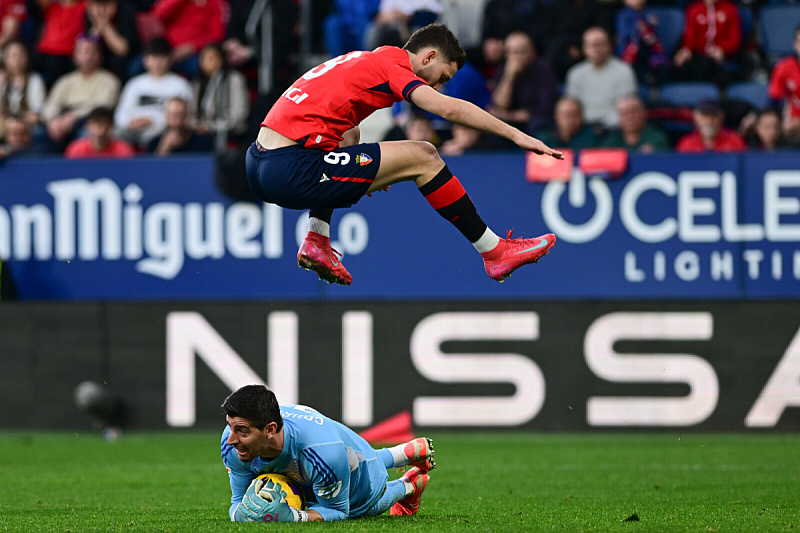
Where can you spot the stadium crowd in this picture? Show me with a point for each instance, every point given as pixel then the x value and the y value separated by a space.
pixel 117 78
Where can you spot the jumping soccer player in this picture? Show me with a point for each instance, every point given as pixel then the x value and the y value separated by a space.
pixel 341 475
pixel 306 155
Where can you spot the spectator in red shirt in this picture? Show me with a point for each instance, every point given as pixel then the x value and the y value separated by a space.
pixel 784 84
pixel 99 142
pixel 189 25
pixel 712 33
pixel 709 134
pixel 12 14
pixel 63 23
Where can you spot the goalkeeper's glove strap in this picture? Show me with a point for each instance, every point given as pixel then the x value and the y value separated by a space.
pixel 299 516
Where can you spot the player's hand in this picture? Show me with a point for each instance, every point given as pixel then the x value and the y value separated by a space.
pixel 265 501
pixel 526 142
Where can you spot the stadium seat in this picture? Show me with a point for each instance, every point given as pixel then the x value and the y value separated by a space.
pixel 777 24
pixel 670 26
pixel 752 92
pixel 687 94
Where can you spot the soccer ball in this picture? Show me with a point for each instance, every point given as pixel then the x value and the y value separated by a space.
pixel 294 494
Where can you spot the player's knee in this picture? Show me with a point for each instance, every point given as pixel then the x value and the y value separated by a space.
pixel 429 153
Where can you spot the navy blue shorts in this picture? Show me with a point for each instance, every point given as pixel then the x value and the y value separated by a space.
pixel 304 178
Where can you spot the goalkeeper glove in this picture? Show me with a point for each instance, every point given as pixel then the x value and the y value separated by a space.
pixel 265 501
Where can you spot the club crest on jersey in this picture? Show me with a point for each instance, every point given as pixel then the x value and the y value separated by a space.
pixel 363 159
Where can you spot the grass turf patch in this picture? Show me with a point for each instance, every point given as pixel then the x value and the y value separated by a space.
pixel 483 482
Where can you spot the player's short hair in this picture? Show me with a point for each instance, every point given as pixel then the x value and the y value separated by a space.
pixel 440 37
pixel 254 403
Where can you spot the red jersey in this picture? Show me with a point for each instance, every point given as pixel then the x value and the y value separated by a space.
pixel 337 95
pixel 82 148
pixel 784 83
pixel 62 25
pixel 712 24
pixel 194 22
pixel 726 141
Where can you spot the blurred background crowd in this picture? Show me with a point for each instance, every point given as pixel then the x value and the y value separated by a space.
pixel 116 78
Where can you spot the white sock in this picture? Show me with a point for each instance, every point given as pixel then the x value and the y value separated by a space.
pixel 488 241
pixel 399 455
pixel 319 226
pixel 409 488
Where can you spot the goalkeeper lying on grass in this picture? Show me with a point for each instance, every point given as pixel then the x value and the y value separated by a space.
pixel 340 474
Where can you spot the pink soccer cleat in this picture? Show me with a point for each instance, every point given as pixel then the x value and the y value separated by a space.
pixel 420 453
pixel 410 504
pixel 316 254
pixel 510 254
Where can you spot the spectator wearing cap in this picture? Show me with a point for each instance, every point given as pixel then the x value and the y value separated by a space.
pixel 634 133
pixel 63 24
pixel 710 135
pixel 99 142
pixel 140 113
pixel 600 80
pixel 75 94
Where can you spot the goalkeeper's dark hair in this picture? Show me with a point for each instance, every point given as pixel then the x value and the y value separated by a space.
pixel 255 403
pixel 440 37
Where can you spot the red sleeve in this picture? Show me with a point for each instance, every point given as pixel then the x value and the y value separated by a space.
pixel 402 79
pixel 693 37
pixel 729 36
pixel 218 20
pixel 777 87
pixel 166 9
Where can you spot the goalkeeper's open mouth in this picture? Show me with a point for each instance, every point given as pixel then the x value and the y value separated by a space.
pixel 243 453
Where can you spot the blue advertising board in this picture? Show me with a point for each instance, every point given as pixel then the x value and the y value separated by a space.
pixel 704 226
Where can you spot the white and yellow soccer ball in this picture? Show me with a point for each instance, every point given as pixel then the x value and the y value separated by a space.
pixel 294 494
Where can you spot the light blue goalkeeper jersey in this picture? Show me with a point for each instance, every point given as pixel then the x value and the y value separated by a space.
pixel 339 472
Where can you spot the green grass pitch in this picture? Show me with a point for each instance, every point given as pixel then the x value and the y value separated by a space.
pixel 483 482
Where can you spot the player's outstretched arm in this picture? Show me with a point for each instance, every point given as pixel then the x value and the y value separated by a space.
pixel 472 116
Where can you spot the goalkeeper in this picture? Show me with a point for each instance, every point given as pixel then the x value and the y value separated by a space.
pixel 341 475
